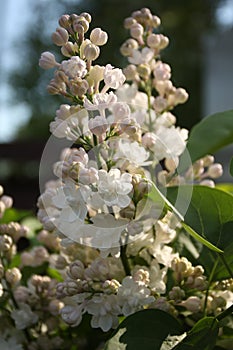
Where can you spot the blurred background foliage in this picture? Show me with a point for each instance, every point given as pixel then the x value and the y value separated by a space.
pixel 184 22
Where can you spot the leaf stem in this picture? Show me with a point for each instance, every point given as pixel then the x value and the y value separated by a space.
pixel 124 260
pixel 226 264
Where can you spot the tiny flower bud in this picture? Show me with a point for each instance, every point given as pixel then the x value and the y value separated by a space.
pixel 215 170
pixel 164 41
pixel 128 22
pixel 60 37
pixel 76 270
pixel 98 37
pixel 136 31
pixel 144 70
pixel 64 21
pixel 13 276
pixel 1 190
pixel 153 41
pixel 8 201
pixel 208 160
pixel 87 16
pixel 55 307
pixel 155 21
pixel 91 52
pixel 128 46
pixel 69 49
pixel 208 183
pixel 192 304
pixel 81 21
pixel 47 60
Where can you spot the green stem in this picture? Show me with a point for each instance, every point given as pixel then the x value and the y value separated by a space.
pixel 225 313
pixel 124 260
pixel 208 287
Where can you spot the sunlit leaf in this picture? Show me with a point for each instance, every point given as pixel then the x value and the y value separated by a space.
pixel 208 136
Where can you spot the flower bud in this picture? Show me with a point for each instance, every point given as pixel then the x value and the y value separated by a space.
pixel 60 37
pixel 87 16
pixel 136 31
pixel 171 163
pixel 76 270
pixel 128 212
pixel 1 271
pixel 215 170
pixel 8 201
pixel 155 21
pixel 192 304
pixel 1 190
pixel 69 49
pixel 55 307
pixel 47 60
pixel 130 72
pixel 98 37
pixel 176 294
pixel 91 52
pixel 181 96
pixel 208 183
pixel 81 21
pixel 153 41
pixel 144 70
pixel 164 41
pixel 64 21
pixel 13 276
pixel 208 160
pixel 128 46
pixel 128 22
pixel 6 243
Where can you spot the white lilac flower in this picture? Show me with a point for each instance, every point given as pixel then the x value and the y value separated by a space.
pixel 100 102
pixel 157 277
pixel 133 296
pixel 75 67
pixel 24 317
pixel 72 126
pixel 132 152
pixel 72 314
pixel 114 187
pixel 140 57
pixel 98 125
pixel 113 77
pixel 169 143
pixel 105 310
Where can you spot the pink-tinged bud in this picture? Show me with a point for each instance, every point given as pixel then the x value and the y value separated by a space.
pixel 69 49
pixel 208 183
pixel 47 60
pixel 208 160
pixel 215 170
pixel 8 201
pixel 98 37
pixel 155 21
pixel 60 37
pixel 128 22
pixel 171 163
pixel 91 52
pixel 76 270
pixel 136 31
pixel 192 304
pixel 81 21
pixel 64 21
pixel 153 41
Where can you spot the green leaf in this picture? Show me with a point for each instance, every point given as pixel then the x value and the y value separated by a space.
pixel 231 167
pixel 226 187
pixel 202 336
pixel 210 135
pixel 210 213
pixel 13 214
pixel 144 329
pixel 157 197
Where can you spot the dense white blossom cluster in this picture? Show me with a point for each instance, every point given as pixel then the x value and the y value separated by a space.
pixel 106 247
